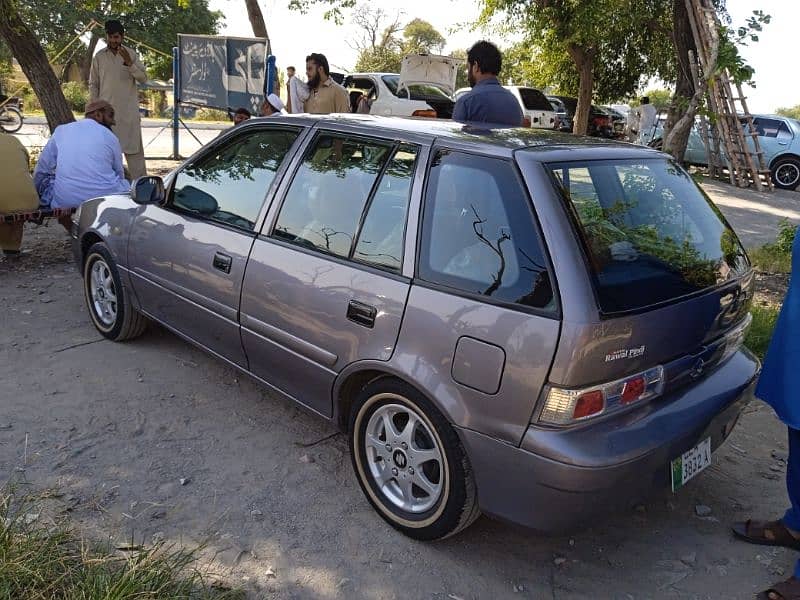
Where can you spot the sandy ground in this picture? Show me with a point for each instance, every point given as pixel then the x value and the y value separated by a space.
pixel 153 439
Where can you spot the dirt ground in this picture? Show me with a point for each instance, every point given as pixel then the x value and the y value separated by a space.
pixel 153 439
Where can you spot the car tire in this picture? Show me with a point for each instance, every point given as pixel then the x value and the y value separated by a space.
pixel 410 462
pixel 785 173
pixel 107 299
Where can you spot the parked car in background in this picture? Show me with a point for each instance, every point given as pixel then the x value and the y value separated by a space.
pixel 618 120
pixel 423 88
pixel 535 325
pixel 460 92
pixel 599 123
pixel 535 107
pixel 564 120
pixel 778 137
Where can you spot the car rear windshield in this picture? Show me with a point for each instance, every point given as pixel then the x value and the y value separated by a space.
pixel 533 99
pixel 419 91
pixel 650 234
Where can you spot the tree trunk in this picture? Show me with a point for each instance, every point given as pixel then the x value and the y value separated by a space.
pixel 584 61
pixel 684 42
pixel 256 19
pixel 31 57
pixel 86 62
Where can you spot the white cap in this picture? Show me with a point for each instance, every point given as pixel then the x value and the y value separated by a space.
pixel 276 103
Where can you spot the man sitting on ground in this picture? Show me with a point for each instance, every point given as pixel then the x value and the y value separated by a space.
pixel 82 160
pixel 17 193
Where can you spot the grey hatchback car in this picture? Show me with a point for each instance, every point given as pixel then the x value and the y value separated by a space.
pixel 518 322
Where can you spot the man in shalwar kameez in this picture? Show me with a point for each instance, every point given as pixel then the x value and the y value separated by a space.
pixel 777 386
pixel 115 71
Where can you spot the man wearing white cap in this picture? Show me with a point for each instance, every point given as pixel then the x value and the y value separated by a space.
pixel 273 106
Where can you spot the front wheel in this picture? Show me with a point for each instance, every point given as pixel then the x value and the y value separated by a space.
pixel 107 299
pixel 410 463
pixel 785 173
pixel 10 119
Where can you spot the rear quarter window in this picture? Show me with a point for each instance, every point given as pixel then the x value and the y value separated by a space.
pixel 533 99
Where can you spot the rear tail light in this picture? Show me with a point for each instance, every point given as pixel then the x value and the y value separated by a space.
pixel 526 121
pixel 428 113
pixel 564 407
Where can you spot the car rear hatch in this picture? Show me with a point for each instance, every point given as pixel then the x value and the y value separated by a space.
pixel 670 291
pixel 429 78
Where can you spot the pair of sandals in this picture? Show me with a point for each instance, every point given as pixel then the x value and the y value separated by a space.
pixel 771 533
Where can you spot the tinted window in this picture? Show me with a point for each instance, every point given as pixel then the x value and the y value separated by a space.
pixel 380 242
pixel 649 232
pixel 769 127
pixel 419 90
pixel 326 199
pixel 229 184
pixel 533 99
pixel 478 232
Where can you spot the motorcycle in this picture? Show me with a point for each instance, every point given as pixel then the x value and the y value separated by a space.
pixel 11 115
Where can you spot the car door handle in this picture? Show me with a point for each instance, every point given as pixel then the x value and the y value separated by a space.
pixel 222 262
pixel 361 314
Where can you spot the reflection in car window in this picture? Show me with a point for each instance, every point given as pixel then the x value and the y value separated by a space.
pixel 649 233
pixel 326 199
pixel 478 232
pixel 229 184
pixel 380 242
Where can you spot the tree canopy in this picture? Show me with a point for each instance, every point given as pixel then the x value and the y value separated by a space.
pixel 153 22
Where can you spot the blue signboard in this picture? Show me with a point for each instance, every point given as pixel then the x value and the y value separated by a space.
pixel 222 72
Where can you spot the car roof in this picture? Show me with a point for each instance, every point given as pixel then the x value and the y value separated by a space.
pixel 504 139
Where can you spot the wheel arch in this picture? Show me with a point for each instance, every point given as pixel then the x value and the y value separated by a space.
pixel 358 375
pixel 775 159
pixel 89 239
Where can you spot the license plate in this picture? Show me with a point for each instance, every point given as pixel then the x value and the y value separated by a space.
pixel 690 464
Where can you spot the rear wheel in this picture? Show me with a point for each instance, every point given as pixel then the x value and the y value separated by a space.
pixel 106 298
pixel 410 463
pixel 10 119
pixel 786 173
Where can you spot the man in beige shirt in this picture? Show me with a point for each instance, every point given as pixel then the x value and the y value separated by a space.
pixel 115 71
pixel 17 193
pixel 326 96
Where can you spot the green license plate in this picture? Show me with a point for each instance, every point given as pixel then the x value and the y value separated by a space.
pixel 690 463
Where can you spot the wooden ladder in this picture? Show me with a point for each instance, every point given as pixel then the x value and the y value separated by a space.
pixel 731 138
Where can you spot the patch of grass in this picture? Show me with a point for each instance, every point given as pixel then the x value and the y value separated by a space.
pixel 764 318
pixel 39 563
pixel 770 258
pixel 777 256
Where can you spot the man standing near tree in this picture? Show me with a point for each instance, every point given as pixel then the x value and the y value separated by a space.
pixel 115 71
pixel 296 92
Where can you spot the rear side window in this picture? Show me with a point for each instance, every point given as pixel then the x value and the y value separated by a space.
pixel 533 99
pixel 478 233
pixel 351 189
pixel 649 233
pixel 381 240
pixel 329 192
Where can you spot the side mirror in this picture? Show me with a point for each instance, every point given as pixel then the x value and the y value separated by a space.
pixel 148 190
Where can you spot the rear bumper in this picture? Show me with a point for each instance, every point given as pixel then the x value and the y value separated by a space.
pixel 558 480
